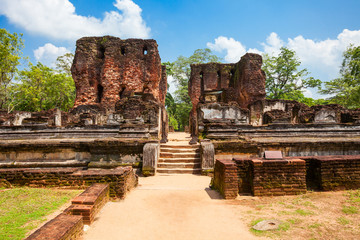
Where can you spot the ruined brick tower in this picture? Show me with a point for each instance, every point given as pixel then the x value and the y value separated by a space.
pixel 107 69
pixel 221 94
pixel 120 82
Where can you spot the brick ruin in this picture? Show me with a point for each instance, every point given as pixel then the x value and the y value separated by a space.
pixel 224 91
pixel 229 101
pixel 119 119
pixel 231 116
pixel 119 108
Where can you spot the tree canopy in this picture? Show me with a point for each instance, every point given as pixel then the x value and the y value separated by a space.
pixel 345 90
pixel 180 105
pixel 10 55
pixel 284 80
pixel 42 88
pixel 37 87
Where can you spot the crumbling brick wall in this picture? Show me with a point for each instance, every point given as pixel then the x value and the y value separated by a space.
pixel 240 83
pixel 106 69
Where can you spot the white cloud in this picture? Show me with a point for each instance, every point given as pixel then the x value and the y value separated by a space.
pixel 321 57
pixel 273 44
pixel 58 19
pixel 48 53
pixel 324 56
pixel 234 49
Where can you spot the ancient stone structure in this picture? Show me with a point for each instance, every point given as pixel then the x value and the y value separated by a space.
pixel 224 92
pixel 287 176
pixel 108 69
pixel 121 82
pixel 119 107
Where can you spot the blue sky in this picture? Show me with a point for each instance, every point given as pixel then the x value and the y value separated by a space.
pixel 319 31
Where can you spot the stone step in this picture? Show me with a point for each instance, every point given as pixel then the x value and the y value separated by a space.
pixel 179 170
pixel 179 160
pixel 179 165
pixel 179 146
pixel 179 150
pixel 179 155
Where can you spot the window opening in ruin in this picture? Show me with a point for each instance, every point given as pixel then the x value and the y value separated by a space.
pixel 123 51
pixel 231 79
pixel 219 79
pixel 102 52
pixel 100 90
pixel 202 81
pixel 145 51
pixel 123 87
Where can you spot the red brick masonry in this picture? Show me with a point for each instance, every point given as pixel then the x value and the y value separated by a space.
pixel 120 180
pixel 62 227
pixel 225 178
pixel 287 176
pixel 69 224
pixel 89 203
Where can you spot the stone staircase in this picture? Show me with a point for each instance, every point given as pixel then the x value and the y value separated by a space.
pixel 177 158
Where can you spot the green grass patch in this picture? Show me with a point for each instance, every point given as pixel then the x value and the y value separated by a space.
pixel 23 209
pixel 354 196
pixel 350 210
pixel 315 225
pixel 343 221
pixel 294 220
pixel 303 212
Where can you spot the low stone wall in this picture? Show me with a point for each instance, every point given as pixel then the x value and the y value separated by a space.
pixel 225 178
pixel 69 224
pixel 62 227
pixel 86 153
pixel 120 180
pixel 329 173
pixel 245 175
pixel 287 176
pixel 89 203
pixel 278 177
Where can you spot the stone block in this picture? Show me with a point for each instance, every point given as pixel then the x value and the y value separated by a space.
pixel 150 158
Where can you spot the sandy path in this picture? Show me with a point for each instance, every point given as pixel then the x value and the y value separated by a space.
pixel 169 207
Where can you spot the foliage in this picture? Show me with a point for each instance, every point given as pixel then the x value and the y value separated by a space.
pixel 346 88
pixel 10 55
pixel 23 209
pixel 171 109
pixel 64 62
pixel 180 105
pixel 283 78
pixel 42 88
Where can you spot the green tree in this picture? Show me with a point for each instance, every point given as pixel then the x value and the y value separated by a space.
pixel 180 70
pixel 42 88
pixel 346 88
pixel 10 56
pixel 63 63
pixel 284 80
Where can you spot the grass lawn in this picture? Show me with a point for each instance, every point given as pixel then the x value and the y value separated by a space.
pixel 23 209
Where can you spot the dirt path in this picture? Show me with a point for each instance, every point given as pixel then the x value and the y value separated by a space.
pixel 169 207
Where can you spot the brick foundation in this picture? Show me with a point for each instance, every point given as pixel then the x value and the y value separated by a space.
pixel 120 180
pixel 89 203
pixel 287 176
pixel 278 177
pixel 69 224
pixel 328 173
pixel 225 178
pixel 62 227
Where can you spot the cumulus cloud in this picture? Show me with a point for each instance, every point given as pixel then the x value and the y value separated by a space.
pixel 234 49
pixel 48 53
pixel 324 56
pixel 273 44
pixel 57 19
pixel 321 57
